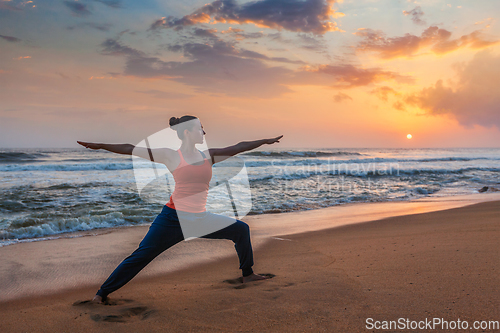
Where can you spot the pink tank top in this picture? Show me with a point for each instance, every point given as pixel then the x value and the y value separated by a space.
pixel 191 186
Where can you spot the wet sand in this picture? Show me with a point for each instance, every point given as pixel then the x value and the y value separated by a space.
pixel 442 264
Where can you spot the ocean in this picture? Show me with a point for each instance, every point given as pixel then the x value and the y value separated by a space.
pixel 47 193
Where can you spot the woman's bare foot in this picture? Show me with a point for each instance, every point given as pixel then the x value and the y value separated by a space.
pixel 97 299
pixel 254 277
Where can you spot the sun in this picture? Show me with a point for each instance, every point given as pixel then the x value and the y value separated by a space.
pixel 409 136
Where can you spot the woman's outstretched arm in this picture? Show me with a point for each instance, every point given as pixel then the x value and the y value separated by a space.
pixel 124 148
pixel 154 155
pixel 220 154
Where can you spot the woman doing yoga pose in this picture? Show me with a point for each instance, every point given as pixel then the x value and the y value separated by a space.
pixel 192 171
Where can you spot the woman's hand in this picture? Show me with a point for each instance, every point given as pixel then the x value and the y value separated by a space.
pixel 90 145
pixel 274 140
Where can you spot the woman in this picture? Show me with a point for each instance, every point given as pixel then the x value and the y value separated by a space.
pixel 186 164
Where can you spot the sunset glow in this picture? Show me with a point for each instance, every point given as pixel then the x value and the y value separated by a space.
pixel 320 72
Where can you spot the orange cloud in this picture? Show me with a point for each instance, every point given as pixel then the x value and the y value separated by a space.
pixel 241 34
pixel 399 106
pixel 474 100
pixel 349 76
pixel 383 92
pixel 232 30
pixel 102 78
pixel 438 40
pixel 341 97
pixel 483 21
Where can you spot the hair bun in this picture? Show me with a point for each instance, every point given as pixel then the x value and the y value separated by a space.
pixel 173 121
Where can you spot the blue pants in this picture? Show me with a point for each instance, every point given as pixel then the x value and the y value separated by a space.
pixel 164 233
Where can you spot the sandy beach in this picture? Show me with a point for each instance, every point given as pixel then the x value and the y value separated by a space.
pixel 332 272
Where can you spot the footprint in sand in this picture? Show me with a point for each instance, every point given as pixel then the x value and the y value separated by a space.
pixel 117 311
pixel 239 281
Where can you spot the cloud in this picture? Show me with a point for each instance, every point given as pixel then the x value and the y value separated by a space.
pixel 5 6
pixel 398 105
pixel 10 39
pixel 278 36
pixel 164 94
pixel 80 9
pixel 207 33
pixel 216 68
pixel 102 77
pixel 100 27
pixel 438 40
pixel 474 100
pixel 77 8
pixel 341 97
pixel 64 76
pixel 488 19
pixel 222 68
pixel 383 92
pixel 114 47
pixel 312 43
pixel 111 3
pixel 302 40
pixel 349 76
pixel 220 48
pixel 232 30
pixel 416 14
pixel 293 15
pixel 241 34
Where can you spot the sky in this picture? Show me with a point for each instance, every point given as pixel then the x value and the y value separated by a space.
pixel 324 73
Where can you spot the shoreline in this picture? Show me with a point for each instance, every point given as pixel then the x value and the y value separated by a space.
pixel 440 264
pixel 446 203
